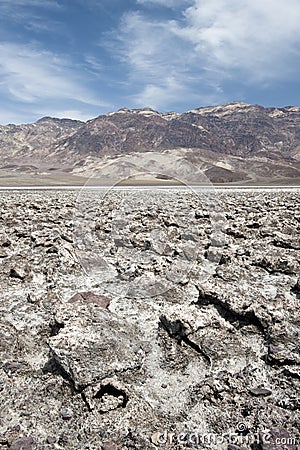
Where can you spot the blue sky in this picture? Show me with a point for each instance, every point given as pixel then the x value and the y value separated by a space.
pixel 83 58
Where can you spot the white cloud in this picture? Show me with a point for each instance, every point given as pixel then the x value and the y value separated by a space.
pixel 211 43
pixel 45 4
pixel 93 65
pixel 156 95
pixel 43 83
pixel 162 63
pixel 22 11
pixel 166 3
pixel 254 36
pixel 32 15
pixel 67 114
pixel 30 75
pixel 10 117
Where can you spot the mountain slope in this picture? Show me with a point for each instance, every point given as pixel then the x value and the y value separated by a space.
pixel 235 129
pixel 25 142
pixel 235 142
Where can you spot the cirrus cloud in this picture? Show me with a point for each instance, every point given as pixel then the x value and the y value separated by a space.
pixel 210 44
pixel 39 78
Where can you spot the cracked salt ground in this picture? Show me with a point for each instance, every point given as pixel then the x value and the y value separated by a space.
pixel 142 243
pixel 84 366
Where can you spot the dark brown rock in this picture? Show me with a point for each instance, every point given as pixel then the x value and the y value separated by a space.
pixel 89 297
pixel 23 444
pixel 109 446
pixel 260 392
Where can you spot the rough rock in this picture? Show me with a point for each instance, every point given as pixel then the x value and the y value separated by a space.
pixel 158 341
pixel 23 444
pixel 93 344
pixel 90 297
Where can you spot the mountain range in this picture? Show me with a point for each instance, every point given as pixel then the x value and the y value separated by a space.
pixel 233 143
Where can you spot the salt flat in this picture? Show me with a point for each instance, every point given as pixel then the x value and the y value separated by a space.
pixel 130 312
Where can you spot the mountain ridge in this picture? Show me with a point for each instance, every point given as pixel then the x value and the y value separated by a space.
pixel 235 141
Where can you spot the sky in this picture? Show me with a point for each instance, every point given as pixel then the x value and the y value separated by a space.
pixel 83 58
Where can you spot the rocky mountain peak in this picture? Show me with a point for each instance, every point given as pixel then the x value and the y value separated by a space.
pixel 222 110
pixel 143 111
pixel 234 130
pixel 60 122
